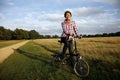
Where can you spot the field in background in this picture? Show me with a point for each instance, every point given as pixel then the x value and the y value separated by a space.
pixel 33 60
pixel 5 43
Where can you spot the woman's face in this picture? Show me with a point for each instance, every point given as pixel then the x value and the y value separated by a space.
pixel 68 16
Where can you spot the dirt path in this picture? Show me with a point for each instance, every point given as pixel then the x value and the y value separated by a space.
pixel 7 51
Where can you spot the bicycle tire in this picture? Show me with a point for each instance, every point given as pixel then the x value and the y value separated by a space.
pixel 81 68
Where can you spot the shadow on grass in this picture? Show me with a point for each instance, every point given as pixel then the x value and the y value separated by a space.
pixel 48 49
pixel 34 56
pixel 46 60
pixel 54 52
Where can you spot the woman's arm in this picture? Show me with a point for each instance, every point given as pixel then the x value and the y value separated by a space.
pixel 75 29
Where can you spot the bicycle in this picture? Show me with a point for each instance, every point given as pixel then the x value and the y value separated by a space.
pixel 81 67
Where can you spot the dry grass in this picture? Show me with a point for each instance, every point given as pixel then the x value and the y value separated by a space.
pixel 102 54
pixel 90 47
pixel 104 47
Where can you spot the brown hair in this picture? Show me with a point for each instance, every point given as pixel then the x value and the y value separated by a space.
pixel 66 13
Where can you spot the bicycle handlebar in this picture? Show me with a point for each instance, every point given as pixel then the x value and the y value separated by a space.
pixel 71 38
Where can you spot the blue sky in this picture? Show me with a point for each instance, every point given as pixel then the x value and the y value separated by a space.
pixel 45 16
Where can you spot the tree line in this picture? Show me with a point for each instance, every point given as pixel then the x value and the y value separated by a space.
pixel 104 35
pixel 18 34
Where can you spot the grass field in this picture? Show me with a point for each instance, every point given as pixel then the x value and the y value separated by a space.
pixel 4 43
pixel 33 60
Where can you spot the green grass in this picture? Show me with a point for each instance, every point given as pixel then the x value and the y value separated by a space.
pixel 5 43
pixel 33 61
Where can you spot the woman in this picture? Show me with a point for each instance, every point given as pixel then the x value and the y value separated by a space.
pixel 69 27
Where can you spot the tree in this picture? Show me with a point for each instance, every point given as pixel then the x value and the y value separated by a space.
pixel 34 34
pixel 2 32
pixel 25 34
pixel 21 34
pixel 47 36
pixel 117 33
pixel 5 34
pixel 55 36
pixel 41 36
pixel 105 35
pixel 8 34
pixel 18 34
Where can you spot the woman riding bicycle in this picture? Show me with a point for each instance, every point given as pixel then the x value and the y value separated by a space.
pixel 69 27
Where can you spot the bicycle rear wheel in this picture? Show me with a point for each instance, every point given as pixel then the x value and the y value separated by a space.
pixel 81 68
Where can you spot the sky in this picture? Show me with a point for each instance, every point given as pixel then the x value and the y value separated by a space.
pixel 45 16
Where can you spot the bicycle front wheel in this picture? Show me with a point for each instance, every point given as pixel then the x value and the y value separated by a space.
pixel 81 68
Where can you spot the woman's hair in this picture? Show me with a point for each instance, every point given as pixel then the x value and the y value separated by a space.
pixel 66 13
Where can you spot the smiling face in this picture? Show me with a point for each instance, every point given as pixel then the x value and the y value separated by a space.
pixel 68 16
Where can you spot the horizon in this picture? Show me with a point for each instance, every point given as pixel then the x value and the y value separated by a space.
pixel 60 35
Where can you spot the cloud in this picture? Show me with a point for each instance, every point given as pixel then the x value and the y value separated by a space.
pixel 2 16
pixel 86 11
pixel 51 17
pixel 7 2
pixel 43 27
pixel 10 3
pixel 117 12
pixel 111 2
pixel 103 23
pixel 50 30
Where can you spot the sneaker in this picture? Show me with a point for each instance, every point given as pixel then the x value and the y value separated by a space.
pixel 63 63
pixel 59 59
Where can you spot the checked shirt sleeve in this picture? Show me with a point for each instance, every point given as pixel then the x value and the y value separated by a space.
pixel 75 29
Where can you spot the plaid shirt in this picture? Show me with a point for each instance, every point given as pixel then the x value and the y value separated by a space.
pixel 69 27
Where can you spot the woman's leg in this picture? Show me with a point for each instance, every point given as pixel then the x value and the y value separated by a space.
pixel 64 47
pixel 71 53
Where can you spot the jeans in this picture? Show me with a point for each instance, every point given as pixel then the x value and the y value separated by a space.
pixel 69 45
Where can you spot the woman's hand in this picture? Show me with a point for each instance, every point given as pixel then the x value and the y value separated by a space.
pixel 70 33
pixel 80 36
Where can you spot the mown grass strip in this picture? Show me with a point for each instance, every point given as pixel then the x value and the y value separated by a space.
pixel 5 43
